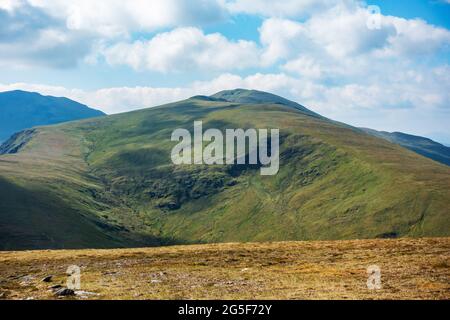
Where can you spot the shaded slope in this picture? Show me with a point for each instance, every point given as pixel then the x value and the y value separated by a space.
pixel 20 110
pixel 423 146
pixel 335 182
pixel 48 199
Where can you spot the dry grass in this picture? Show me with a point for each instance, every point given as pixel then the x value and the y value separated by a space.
pixel 411 269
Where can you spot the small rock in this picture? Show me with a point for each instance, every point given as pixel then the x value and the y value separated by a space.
pixel 47 279
pixel 26 280
pixel 65 292
pixel 55 287
pixel 85 293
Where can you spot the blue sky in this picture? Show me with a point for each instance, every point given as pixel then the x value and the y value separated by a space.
pixel 388 71
pixel 433 11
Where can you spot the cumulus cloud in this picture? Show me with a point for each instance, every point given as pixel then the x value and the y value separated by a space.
pixel 184 49
pixel 417 103
pixel 59 34
pixel 115 17
pixel 280 38
pixel 30 37
pixel 122 99
pixel 415 37
pixel 342 32
pixel 304 66
pixel 346 70
pixel 285 8
pixel 413 89
pixel 319 53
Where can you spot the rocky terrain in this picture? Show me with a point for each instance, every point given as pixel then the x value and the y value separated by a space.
pixel 410 269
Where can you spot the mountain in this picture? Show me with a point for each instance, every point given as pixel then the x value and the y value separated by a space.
pixel 20 110
pixel 110 182
pixel 424 146
pixel 243 96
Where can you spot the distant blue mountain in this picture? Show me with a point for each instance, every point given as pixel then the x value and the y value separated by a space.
pixel 21 110
pixel 423 146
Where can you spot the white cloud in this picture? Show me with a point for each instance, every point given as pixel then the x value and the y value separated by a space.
pixel 10 5
pixel 185 49
pixel 121 99
pixel 413 89
pixel 415 37
pixel 320 53
pixel 280 38
pixel 285 8
pixel 414 101
pixel 117 17
pixel 304 66
pixel 342 32
pixel 46 47
pixel 342 65
pixel 58 33
pixel 109 100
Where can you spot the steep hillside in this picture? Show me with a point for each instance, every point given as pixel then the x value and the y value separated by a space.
pixel 20 110
pixel 115 174
pixel 424 146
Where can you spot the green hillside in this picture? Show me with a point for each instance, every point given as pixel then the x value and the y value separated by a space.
pixel 109 182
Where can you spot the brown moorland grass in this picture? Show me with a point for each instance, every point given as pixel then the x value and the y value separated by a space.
pixel 410 269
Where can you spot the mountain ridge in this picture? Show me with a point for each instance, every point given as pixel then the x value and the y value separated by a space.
pixel 113 176
pixel 421 145
pixel 256 96
pixel 21 110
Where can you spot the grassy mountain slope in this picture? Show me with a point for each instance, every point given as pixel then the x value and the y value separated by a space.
pixel 424 146
pixel 115 172
pixel 244 96
pixel 20 110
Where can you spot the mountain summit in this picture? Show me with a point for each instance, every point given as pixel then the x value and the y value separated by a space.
pixel 245 96
pixel 21 109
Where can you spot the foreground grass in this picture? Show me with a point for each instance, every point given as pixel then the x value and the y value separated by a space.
pixel 411 269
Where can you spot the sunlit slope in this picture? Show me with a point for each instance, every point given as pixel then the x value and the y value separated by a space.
pixel 115 175
pixel 411 269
